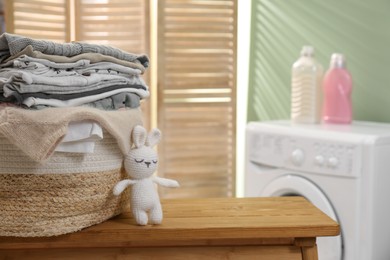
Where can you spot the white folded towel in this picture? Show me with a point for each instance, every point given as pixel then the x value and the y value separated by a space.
pixel 81 137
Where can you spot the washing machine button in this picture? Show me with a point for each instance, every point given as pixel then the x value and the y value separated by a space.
pixel 319 160
pixel 297 157
pixel 333 162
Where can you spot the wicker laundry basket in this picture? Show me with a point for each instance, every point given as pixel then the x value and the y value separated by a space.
pixel 69 192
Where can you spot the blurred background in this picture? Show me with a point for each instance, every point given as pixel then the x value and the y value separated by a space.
pixel 217 64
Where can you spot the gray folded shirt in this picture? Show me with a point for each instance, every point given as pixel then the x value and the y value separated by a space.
pixel 11 44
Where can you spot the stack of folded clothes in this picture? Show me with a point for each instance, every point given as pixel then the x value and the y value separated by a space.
pixel 67 111
pixel 39 74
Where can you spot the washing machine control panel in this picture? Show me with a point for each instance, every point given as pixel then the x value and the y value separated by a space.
pixel 305 153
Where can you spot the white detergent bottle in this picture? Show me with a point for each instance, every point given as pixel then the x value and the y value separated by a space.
pixel 306 90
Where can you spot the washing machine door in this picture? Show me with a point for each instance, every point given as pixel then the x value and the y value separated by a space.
pixel 329 248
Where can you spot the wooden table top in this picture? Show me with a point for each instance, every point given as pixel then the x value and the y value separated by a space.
pixel 199 219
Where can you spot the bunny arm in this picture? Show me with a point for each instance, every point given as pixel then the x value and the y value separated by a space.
pixel 121 186
pixel 166 182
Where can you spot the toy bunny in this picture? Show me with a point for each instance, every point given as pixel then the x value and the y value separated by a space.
pixel 140 164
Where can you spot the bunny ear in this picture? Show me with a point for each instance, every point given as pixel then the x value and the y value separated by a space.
pixel 153 137
pixel 139 136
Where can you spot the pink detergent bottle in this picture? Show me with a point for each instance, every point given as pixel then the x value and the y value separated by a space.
pixel 337 88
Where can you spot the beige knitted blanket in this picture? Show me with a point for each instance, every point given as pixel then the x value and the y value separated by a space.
pixel 37 132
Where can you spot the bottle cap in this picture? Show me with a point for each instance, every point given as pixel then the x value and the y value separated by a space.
pixel 307 51
pixel 337 60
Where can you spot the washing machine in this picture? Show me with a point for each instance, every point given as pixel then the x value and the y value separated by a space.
pixel 344 170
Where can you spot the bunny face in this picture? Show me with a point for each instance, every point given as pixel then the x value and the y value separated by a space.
pixel 142 161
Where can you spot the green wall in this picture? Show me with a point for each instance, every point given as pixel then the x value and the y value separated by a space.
pixel 360 29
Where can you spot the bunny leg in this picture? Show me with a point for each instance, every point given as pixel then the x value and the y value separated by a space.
pixel 141 217
pixel 156 214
